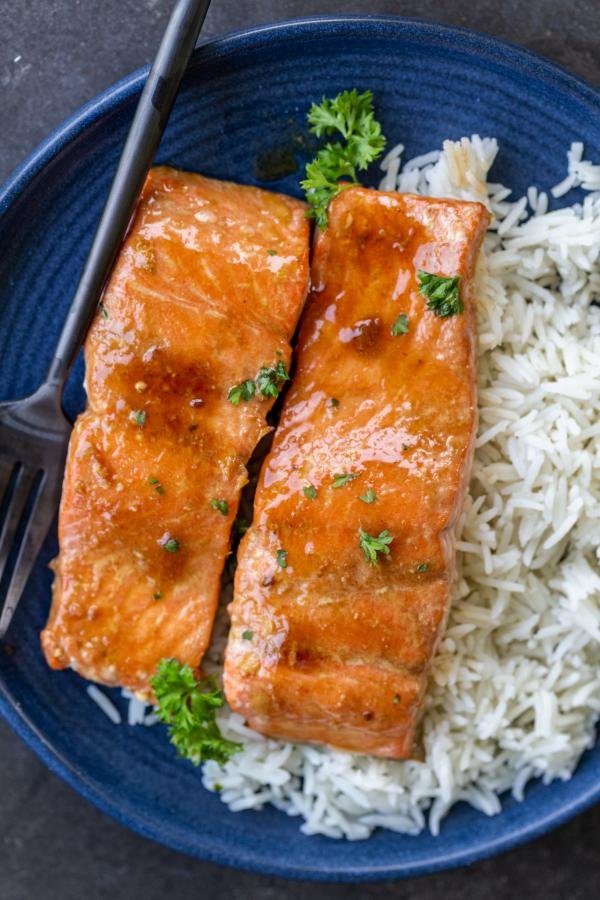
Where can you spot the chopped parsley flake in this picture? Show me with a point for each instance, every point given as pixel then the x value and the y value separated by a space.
pixel 187 707
pixel 139 417
pixel 157 595
pixel 332 403
pixel 272 252
pixel 282 559
pixel 340 480
pixel 400 326
pixel 243 391
pixel 240 526
pixel 247 635
pixel 369 496
pixel 442 293
pixel 422 567
pixel 310 492
pixel 268 383
pixel 371 545
pixel 103 311
pixel 270 379
pixel 171 545
pixel 221 506
pixel 157 485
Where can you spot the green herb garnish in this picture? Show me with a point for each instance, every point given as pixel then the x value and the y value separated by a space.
pixel 351 114
pixel 220 505
pixel 333 403
pixel 157 485
pixel 268 383
pixel 443 294
pixel 240 526
pixel 188 708
pixel 371 545
pixel 103 311
pixel 400 326
pixel 422 567
pixel 340 480
pixel 369 496
pixel 282 559
pixel 247 635
pixel 139 417
pixel 310 492
pixel 272 252
pixel 157 595
pixel 171 545
pixel 270 379
pixel 243 391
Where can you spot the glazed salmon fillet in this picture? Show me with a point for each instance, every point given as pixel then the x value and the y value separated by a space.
pixel 375 441
pixel 206 291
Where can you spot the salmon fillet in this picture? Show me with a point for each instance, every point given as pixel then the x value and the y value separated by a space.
pixel 207 289
pixel 323 645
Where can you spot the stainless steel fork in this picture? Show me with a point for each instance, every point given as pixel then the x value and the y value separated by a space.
pixel 34 432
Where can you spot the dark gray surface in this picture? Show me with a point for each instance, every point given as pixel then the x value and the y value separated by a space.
pixel 55 55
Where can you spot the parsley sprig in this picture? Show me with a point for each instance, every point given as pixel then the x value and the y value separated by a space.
pixel 351 114
pixel 268 382
pixel 187 707
pixel 442 293
pixel 371 546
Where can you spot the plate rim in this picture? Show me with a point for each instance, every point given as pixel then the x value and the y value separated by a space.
pixel 115 95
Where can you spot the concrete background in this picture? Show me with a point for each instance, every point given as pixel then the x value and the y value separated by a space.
pixel 55 55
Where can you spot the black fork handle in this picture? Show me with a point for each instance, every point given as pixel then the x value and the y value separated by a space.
pixel 138 153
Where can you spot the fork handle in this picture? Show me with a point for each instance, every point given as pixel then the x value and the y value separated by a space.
pixel 138 153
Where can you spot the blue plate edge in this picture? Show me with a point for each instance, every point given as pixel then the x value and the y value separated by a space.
pixel 130 84
pixel 19 180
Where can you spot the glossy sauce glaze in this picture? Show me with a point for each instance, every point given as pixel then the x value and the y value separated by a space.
pixel 328 647
pixel 207 290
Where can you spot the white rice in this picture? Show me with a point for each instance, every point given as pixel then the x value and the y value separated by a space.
pixel 105 703
pixel 515 690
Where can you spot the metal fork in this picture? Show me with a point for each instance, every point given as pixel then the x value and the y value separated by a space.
pixel 34 432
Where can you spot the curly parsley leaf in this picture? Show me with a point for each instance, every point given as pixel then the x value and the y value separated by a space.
pixel 371 546
pixel 310 492
pixel 442 293
pixel 351 114
pixel 188 707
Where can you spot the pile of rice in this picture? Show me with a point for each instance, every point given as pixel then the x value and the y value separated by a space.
pixel 515 688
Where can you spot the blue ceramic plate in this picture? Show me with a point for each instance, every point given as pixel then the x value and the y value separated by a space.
pixel 245 97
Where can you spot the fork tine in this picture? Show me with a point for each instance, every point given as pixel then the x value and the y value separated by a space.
pixel 13 515
pixel 7 468
pixel 33 537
